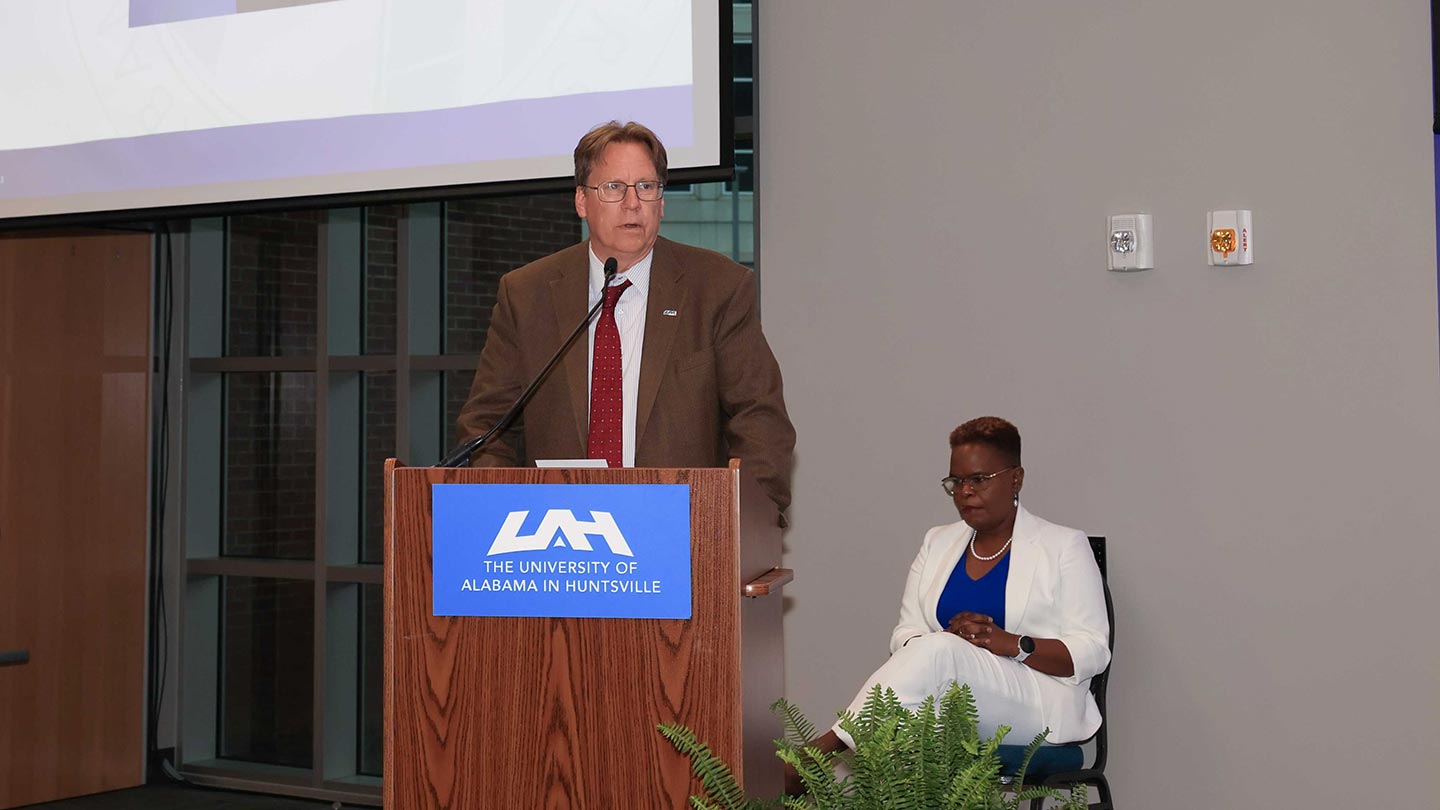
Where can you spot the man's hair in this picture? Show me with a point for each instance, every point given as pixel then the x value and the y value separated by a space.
pixel 993 432
pixel 592 146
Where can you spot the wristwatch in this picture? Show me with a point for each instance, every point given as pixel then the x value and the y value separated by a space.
pixel 1027 646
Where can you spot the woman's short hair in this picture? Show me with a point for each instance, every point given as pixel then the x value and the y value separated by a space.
pixel 592 146
pixel 993 432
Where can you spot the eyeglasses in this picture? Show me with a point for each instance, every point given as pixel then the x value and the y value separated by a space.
pixel 614 191
pixel 977 481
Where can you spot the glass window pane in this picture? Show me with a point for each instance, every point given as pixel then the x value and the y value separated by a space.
pixel 381 252
pixel 457 390
pixel 484 239
pixel 270 465
pixel 744 98
pixel 744 171
pixel 266 670
pixel 744 60
pixel 271 284
pixel 379 444
pixel 372 672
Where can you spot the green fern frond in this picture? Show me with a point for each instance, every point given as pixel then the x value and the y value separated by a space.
pixel 973 786
pixel 798 729
pixel 959 734
pixel 875 762
pixel 958 710
pixel 1029 754
pixel 923 756
pixel 714 775
pixel 1036 792
pixel 977 786
pixel 817 773
pixel 879 703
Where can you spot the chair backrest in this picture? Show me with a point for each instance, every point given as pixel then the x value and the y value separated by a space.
pixel 1099 683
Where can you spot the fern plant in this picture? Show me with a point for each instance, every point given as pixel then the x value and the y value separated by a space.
pixel 928 759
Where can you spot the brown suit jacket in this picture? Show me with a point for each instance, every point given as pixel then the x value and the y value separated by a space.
pixel 710 388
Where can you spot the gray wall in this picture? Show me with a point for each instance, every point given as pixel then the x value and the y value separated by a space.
pixel 1259 444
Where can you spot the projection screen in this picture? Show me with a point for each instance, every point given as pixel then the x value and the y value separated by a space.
pixel 159 106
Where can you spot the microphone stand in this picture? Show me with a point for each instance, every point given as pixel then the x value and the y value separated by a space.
pixel 460 456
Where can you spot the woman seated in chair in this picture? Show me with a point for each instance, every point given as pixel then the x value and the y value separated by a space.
pixel 1002 600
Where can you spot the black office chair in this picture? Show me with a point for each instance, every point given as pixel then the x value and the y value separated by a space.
pixel 1060 766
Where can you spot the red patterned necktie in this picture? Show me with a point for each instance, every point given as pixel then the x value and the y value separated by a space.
pixel 607 389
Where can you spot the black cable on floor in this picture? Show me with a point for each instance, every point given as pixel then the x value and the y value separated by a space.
pixel 159 652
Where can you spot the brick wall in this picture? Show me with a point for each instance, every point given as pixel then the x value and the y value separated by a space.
pixel 484 239
pixel 271 284
pixel 271 287
pixel 381 250
pixel 379 444
pixel 380 337
pixel 270 465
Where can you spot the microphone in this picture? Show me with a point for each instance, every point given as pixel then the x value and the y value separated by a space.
pixel 460 456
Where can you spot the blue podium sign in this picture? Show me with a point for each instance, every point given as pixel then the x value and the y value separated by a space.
pixel 576 550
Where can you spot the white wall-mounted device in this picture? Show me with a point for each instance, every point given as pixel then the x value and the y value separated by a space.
pixel 1230 238
pixel 1131 242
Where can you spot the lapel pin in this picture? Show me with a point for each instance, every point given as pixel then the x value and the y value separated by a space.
pixel 672 313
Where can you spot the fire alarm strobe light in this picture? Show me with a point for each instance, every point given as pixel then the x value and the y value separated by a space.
pixel 1232 238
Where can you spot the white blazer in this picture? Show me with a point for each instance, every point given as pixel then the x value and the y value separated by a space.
pixel 1054 590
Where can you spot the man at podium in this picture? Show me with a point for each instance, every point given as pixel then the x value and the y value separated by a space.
pixel 674 370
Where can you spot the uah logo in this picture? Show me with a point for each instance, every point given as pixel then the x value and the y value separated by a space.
pixel 559 527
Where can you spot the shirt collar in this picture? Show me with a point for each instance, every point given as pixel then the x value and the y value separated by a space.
pixel 638 276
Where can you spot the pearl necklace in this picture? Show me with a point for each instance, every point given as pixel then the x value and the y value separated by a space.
pixel 976 554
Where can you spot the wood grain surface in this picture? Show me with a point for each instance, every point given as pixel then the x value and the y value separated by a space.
pixel 74 382
pixel 561 713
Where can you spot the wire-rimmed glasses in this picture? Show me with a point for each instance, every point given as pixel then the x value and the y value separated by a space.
pixel 952 483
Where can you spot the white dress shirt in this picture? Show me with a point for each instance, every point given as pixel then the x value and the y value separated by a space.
pixel 630 320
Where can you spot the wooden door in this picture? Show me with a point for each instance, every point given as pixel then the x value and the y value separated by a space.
pixel 74 383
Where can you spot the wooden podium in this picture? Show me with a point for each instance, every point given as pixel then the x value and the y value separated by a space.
pixel 486 712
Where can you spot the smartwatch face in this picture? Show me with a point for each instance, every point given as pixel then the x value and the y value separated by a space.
pixel 1027 644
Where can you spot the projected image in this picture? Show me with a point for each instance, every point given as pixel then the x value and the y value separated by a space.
pixel 155 12
pixel 153 103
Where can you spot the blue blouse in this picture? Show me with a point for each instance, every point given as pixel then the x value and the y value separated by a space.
pixel 984 595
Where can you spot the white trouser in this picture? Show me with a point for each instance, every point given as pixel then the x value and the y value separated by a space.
pixel 1006 692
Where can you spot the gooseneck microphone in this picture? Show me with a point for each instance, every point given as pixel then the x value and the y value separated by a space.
pixel 460 456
